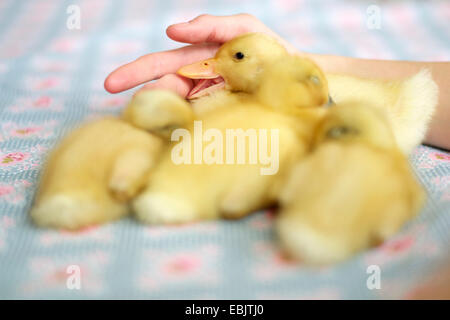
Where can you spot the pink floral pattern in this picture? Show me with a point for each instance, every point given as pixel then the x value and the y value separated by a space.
pixel 52 79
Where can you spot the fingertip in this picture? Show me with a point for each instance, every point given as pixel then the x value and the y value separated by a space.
pixel 110 84
pixel 169 30
pixel 175 31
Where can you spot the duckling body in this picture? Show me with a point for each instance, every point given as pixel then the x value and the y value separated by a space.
pixel 353 191
pixel 91 175
pixel 409 103
pixel 214 188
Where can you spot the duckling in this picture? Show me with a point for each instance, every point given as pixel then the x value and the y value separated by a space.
pixel 409 103
pixel 158 112
pixel 354 190
pixel 228 163
pixel 249 148
pixel 228 78
pixel 91 175
pixel 237 67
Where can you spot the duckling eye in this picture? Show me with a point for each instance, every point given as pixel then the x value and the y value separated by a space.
pixel 239 55
pixel 338 132
pixel 315 79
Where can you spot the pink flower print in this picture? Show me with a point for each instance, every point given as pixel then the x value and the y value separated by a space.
pixel 55 67
pixel 91 233
pixel 289 5
pixel 42 102
pixel 57 276
pixel 50 273
pixel 13 193
pixel 161 231
pixel 272 262
pixel 12 158
pixel 442 184
pixel 114 102
pixel 24 131
pixel 123 47
pixel 5 190
pixel 162 268
pixel 66 45
pixel 46 83
pixel 182 265
pixel 45 64
pixel 3 68
pixel 263 221
pixel 440 156
pixel 6 222
pixel 101 103
pixel 84 230
pixel 445 196
pixel 394 249
pixel 398 245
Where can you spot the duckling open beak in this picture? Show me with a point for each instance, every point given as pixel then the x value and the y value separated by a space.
pixel 204 70
pixel 199 70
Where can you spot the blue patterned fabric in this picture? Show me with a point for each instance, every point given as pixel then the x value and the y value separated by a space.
pixel 51 79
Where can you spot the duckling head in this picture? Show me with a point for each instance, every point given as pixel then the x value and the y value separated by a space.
pixel 237 65
pixel 293 82
pixel 355 123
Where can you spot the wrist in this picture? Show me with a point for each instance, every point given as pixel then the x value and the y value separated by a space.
pixel 330 63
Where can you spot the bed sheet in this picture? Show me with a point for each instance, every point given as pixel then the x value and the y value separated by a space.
pixel 51 80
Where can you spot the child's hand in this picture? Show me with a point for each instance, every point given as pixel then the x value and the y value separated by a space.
pixel 205 34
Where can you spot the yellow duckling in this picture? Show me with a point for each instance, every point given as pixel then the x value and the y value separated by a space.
pixel 232 161
pixel 353 191
pixel 158 111
pixel 409 103
pixel 237 67
pixel 91 175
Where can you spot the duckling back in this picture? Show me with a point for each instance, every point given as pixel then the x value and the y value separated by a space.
pixel 353 191
pixel 409 103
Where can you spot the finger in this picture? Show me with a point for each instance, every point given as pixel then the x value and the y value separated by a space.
pixel 209 28
pixel 172 82
pixel 155 65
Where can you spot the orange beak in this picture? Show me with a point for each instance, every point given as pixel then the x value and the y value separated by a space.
pixel 204 70
pixel 199 70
